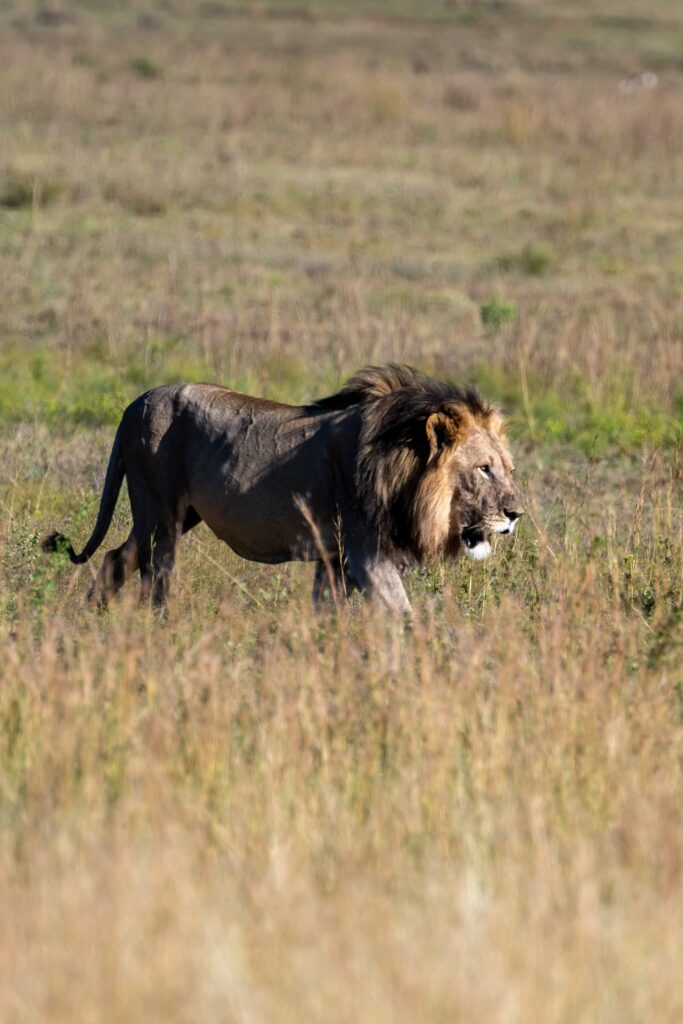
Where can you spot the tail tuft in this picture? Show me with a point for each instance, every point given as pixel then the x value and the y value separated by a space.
pixel 58 543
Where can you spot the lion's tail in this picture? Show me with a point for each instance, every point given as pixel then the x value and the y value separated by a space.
pixel 112 486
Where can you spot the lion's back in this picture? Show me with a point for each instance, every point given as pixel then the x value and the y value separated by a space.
pixel 241 462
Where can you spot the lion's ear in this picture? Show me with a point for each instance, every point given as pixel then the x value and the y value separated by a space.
pixel 496 423
pixel 443 431
pixel 447 429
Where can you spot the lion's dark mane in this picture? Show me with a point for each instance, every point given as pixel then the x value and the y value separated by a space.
pixel 397 401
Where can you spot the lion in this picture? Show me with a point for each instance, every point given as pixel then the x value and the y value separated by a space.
pixel 394 469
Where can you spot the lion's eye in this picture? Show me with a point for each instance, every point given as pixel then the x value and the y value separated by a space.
pixel 486 470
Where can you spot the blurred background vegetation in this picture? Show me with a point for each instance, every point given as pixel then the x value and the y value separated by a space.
pixel 272 194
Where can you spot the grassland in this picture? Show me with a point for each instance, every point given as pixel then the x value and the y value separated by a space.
pixel 248 813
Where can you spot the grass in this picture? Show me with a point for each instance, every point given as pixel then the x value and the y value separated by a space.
pixel 250 813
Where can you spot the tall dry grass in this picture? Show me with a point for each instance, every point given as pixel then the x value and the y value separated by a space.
pixel 256 814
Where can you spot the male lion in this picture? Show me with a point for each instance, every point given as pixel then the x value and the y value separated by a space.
pixel 394 468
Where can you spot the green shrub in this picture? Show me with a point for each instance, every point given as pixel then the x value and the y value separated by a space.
pixel 534 259
pixel 143 67
pixel 19 190
pixel 495 313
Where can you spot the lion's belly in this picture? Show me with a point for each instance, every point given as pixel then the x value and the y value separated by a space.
pixel 264 537
pixel 266 527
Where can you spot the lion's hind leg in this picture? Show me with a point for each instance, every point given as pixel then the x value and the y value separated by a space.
pixel 117 567
pixel 164 543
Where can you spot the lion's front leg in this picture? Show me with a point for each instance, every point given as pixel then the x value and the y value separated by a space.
pixel 331 579
pixel 379 579
pixel 366 567
pixel 327 578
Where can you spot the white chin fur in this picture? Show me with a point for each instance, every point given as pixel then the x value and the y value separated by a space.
pixel 480 551
pixel 506 527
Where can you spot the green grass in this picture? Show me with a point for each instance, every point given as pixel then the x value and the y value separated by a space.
pixel 96 390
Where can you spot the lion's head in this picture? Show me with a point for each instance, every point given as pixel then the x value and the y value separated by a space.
pixel 435 470
pixel 485 500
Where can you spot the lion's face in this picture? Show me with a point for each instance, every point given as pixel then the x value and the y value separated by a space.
pixel 485 499
pixel 465 493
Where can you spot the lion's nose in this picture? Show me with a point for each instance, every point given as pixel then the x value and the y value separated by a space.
pixel 513 514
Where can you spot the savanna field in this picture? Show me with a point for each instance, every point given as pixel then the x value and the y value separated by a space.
pixel 247 812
